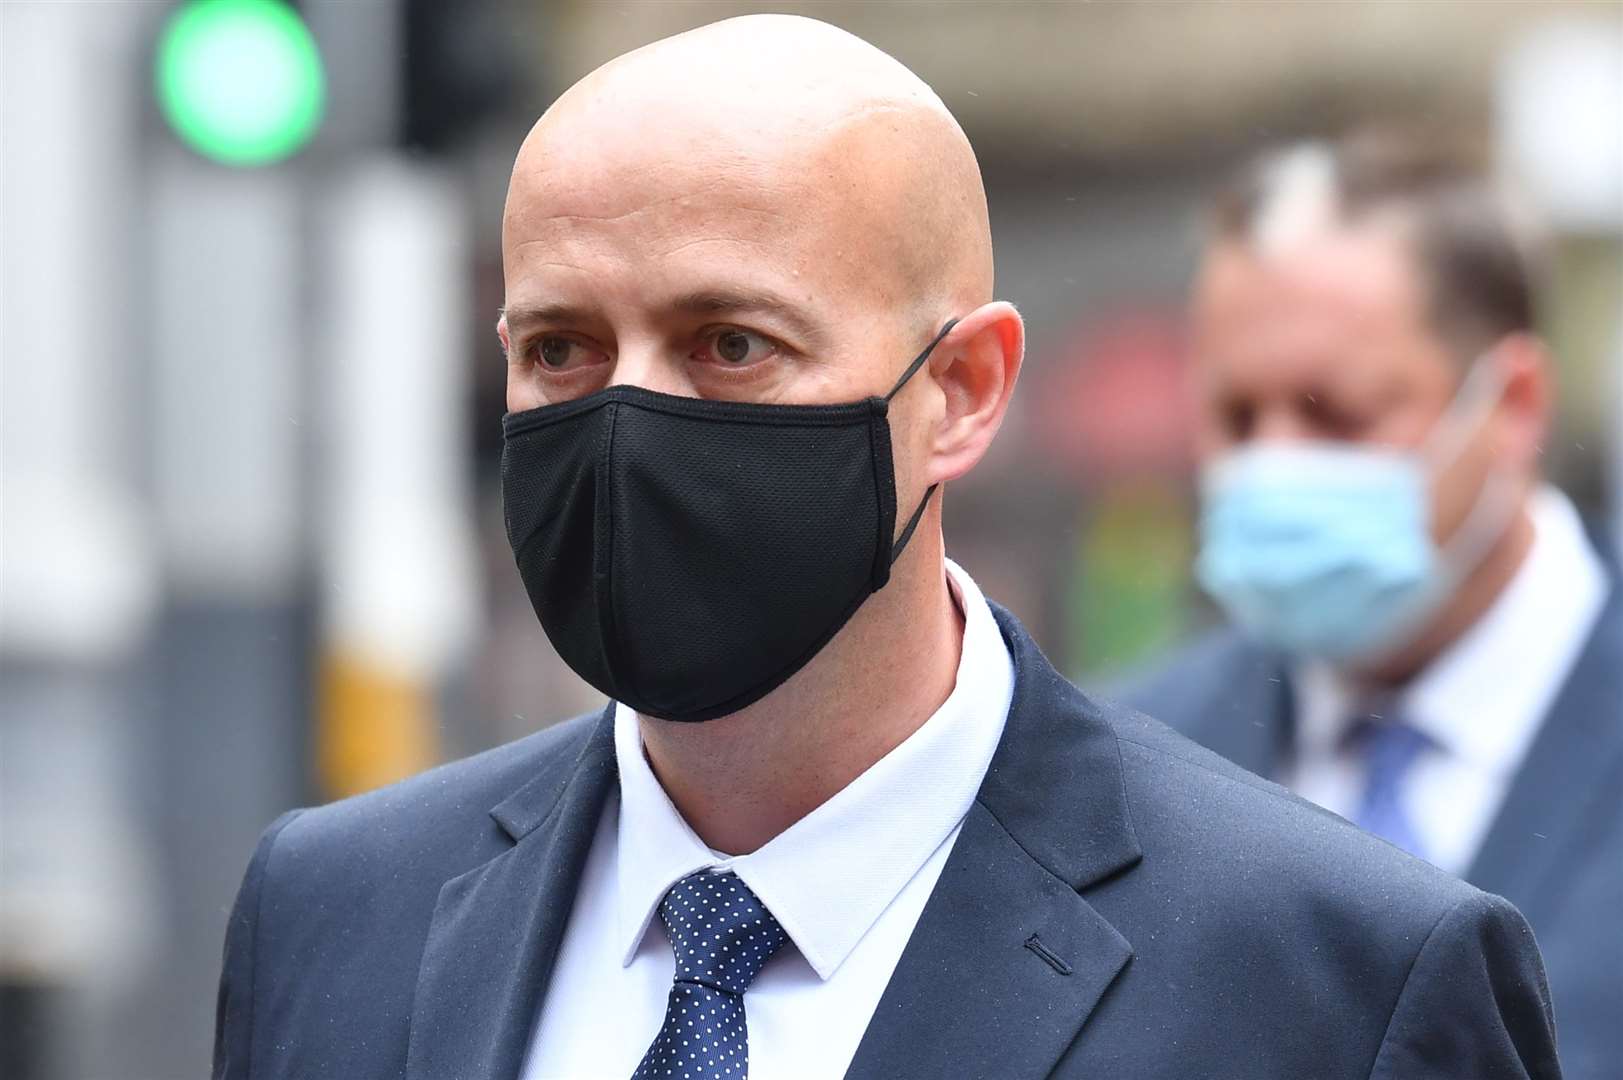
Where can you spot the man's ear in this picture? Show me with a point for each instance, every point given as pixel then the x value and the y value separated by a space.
pixel 1525 402
pixel 501 332
pixel 975 366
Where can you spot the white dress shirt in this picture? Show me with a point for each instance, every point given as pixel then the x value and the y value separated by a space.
pixel 847 882
pixel 1480 702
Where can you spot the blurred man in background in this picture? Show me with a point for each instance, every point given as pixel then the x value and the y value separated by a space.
pixel 1425 640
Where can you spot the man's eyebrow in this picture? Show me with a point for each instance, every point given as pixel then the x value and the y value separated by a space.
pixel 524 314
pixel 728 302
pixel 703 302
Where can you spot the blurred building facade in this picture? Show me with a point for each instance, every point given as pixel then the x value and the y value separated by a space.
pixel 252 552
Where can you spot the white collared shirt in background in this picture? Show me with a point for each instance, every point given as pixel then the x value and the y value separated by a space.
pixel 847 882
pixel 1480 702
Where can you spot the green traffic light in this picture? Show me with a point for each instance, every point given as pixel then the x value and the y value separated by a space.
pixel 240 80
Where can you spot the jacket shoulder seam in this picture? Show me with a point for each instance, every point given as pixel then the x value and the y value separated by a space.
pixel 1408 974
pixel 1250 780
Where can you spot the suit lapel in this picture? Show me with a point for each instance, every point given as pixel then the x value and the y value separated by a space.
pixel 1008 959
pixel 969 997
pixel 496 929
pixel 1579 744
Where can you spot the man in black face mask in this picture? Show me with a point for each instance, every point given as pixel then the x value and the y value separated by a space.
pixel 841 817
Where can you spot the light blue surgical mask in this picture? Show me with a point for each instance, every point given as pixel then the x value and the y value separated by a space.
pixel 1324 549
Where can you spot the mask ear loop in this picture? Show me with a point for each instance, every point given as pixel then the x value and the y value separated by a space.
pixel 912 523
pixel 912 369
pixel 1478 392
pixel 918 361
pixel 1495 505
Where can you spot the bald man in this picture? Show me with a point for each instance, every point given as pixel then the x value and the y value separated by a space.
pixel 840 816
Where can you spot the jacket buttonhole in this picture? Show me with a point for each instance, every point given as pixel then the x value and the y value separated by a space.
pixel 1035 944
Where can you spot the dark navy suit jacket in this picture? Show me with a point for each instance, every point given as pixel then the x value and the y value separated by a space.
pixel 1555 849
pixel 1119 903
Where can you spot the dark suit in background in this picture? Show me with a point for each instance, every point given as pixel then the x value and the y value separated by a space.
pixel 1120 902
pixel 1555 848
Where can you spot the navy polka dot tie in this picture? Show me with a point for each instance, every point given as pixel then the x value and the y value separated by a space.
pixel 722 934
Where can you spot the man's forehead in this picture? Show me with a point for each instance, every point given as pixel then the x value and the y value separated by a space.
pixel 688 232
pixel 1363 273
pixel 1313 326
pixel 669 177
pixel 624 153
pixel 667 210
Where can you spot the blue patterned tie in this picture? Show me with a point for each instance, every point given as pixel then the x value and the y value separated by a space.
pixel 722 934
pixel 1389 748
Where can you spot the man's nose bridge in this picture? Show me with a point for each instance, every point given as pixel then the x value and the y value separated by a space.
pixel 651 368
pixel 1276 423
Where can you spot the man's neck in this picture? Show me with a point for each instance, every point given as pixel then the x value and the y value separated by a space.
pixel 742 779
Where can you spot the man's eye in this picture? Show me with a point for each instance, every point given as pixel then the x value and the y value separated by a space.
pixel 1329 419
pixel 1239 420
pixel 558 352
pixel 736 348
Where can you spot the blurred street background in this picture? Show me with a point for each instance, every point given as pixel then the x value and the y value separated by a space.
pixel 252 553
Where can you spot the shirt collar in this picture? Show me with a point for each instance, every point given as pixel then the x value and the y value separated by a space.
pixel 1483 697
pixel 829 877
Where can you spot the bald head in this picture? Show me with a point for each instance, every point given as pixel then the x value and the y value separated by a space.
pixel 781 147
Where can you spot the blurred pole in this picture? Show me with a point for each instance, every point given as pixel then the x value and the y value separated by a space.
pixel 363 91
pixel 398 576
pixel 77 577
pixel 229 296
pixel 1617 444
pixel 228 433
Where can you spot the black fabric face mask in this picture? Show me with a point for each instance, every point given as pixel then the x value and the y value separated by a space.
pixel 687 556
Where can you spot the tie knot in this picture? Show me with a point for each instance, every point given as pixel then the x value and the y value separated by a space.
pixel 1388 744
pixel 720 930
